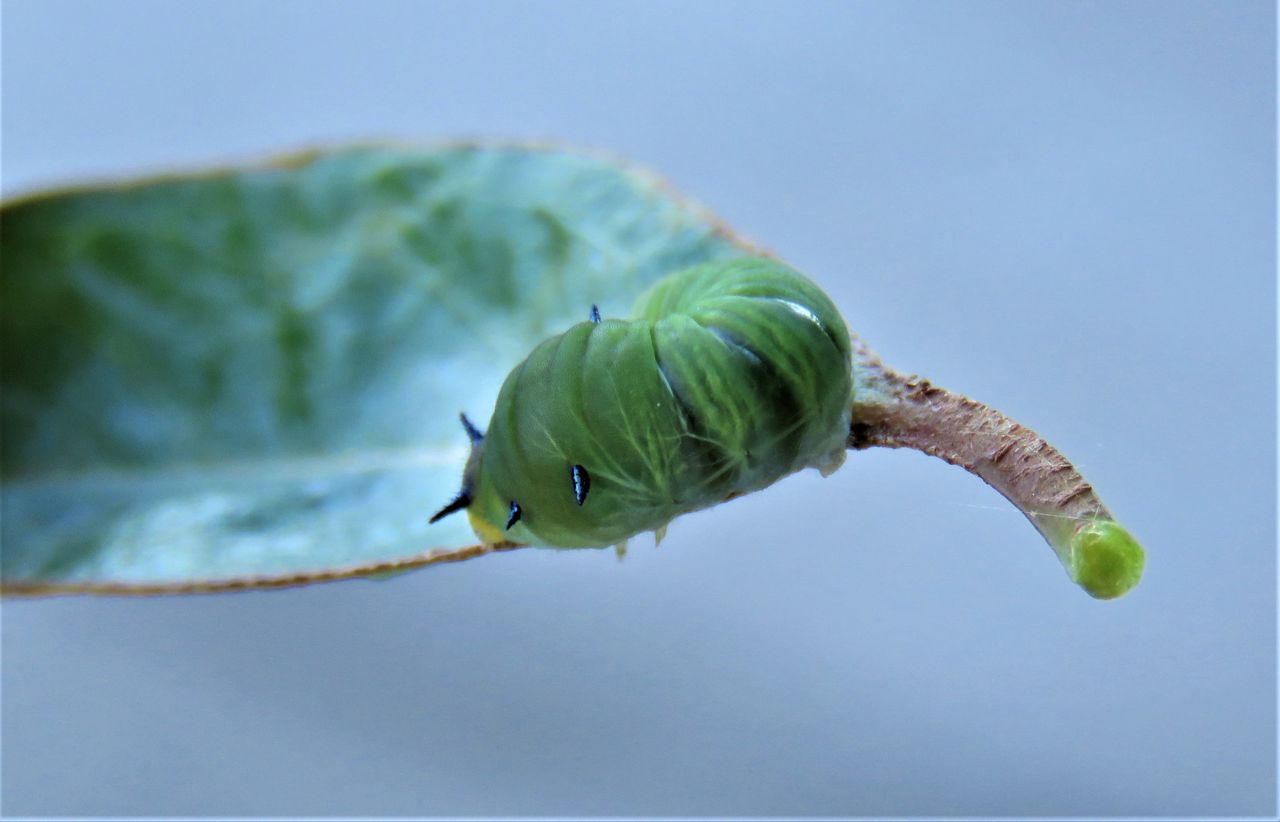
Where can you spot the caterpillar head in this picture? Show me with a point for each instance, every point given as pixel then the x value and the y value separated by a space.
pixel 471 496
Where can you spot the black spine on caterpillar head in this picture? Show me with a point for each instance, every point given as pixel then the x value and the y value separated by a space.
pixel 463 500
pixel 513 514
pixel 474 434
pixel 595 314
pixel 581 483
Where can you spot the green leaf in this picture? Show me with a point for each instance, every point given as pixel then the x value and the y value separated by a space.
pixel 253 377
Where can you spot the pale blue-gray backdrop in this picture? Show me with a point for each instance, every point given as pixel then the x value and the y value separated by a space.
pixel 1064 209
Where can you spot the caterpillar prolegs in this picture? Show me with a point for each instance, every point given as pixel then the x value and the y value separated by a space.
pixel 730 376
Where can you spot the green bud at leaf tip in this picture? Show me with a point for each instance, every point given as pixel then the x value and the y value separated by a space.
pixel 1105 559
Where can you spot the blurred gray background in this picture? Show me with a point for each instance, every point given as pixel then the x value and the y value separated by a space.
pixel 1063 209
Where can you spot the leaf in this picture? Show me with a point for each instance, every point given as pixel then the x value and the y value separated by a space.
pixel 253 377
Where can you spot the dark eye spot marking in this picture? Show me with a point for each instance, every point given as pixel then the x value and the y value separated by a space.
pixel 581 483
pixel 513 514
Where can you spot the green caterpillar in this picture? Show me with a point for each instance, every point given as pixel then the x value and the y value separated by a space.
pixel 731 376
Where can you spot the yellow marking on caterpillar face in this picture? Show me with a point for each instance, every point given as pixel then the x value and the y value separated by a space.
pixel 488 533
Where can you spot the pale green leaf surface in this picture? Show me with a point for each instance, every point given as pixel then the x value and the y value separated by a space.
pixel 255 375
